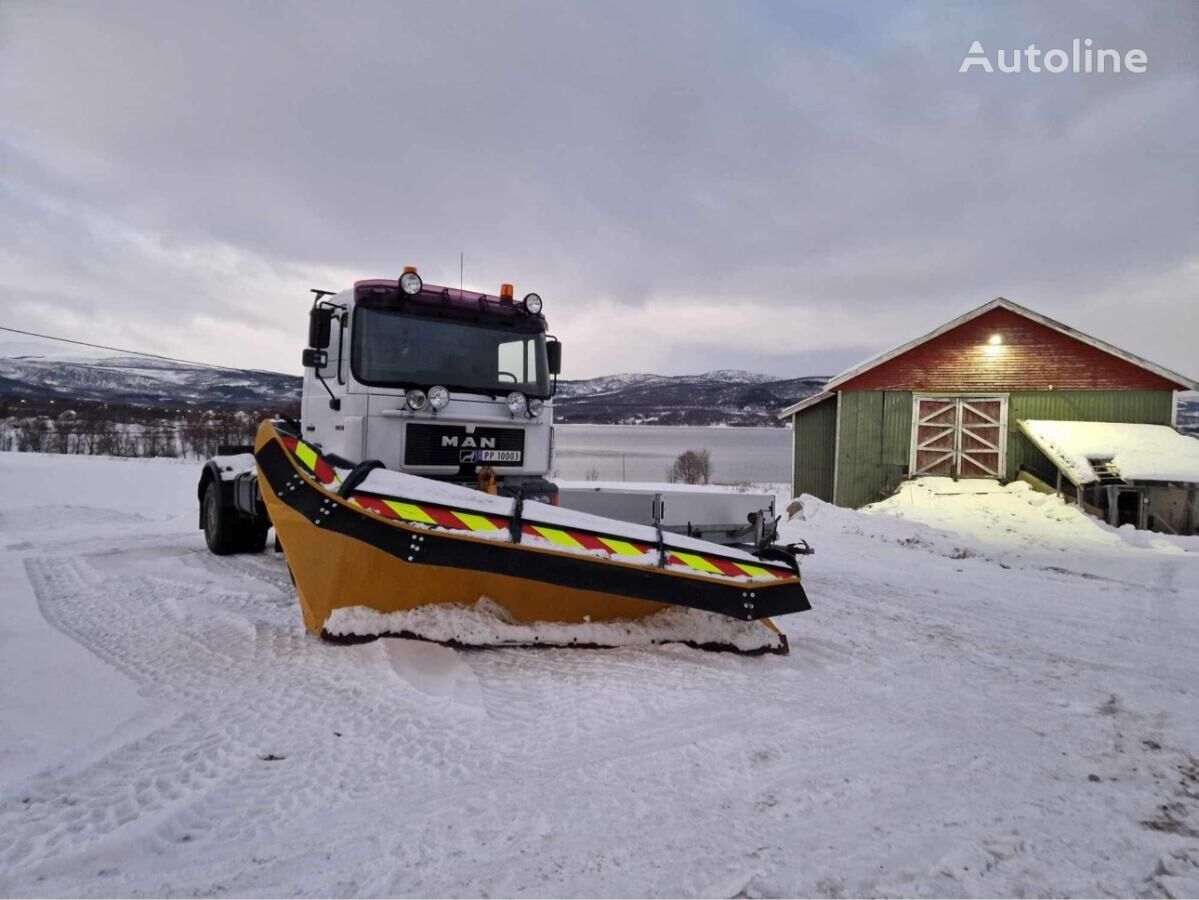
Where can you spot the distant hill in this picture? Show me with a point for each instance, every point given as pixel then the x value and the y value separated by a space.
pixel 135 381
pixel 722 397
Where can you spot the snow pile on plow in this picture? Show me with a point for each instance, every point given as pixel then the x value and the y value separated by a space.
pixel 487 623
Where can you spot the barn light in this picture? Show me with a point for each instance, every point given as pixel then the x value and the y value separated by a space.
pixel 996 340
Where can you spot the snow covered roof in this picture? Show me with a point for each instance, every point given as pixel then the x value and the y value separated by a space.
pixel 1133 452
pixel 804 404
pixel 1003 303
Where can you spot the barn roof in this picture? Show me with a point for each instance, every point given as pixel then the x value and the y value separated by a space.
pixel 1182 381
pixel 805 403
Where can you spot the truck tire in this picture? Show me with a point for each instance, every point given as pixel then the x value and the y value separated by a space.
pixel 220 524
pixel 253 536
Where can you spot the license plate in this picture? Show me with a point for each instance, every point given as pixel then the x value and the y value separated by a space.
pixel 488 456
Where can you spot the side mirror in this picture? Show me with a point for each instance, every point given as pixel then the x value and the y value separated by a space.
pixel 320 321
pixel 315 359
pixel 553 356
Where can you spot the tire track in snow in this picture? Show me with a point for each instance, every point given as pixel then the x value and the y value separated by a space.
pixel 206 655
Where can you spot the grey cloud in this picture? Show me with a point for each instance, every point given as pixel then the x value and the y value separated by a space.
pixel 795 155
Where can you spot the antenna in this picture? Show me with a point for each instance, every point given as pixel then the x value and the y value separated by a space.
pixel 461 266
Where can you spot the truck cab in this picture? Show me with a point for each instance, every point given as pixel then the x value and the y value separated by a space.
pixel 433 381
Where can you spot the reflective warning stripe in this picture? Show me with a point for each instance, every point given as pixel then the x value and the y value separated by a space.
pixel 695 562
pixel 409 511
pixel 557 536
pixel 622 548
pixel 307 455
pixel 461 520
pixel 476 522
pixel 754 571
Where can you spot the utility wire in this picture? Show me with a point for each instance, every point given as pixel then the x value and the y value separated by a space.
pixel 186 362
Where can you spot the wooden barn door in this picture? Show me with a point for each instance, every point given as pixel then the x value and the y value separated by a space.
pixel 935 436
pixel 959 437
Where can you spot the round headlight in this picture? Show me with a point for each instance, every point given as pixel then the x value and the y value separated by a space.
pixel 410 283
pixel 535 407
pixel 533 303
pixel 416 399
pixel 439 396
pixel 516 403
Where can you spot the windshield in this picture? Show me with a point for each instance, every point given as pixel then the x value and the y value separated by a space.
pixel 397 350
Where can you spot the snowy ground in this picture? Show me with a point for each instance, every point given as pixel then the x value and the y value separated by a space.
pixel 992 695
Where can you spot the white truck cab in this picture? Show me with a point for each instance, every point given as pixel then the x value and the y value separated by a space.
pixel 433 381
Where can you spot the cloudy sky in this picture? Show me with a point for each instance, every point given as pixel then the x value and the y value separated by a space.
pixel 781 187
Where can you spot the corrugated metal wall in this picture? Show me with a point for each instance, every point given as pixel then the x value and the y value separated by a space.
pixel 815 432
pixel 1146 407
pixel 876 434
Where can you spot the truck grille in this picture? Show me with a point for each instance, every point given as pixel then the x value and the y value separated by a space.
pixel 452 445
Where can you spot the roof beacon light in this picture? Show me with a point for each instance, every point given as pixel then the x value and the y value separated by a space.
pixel 532 304
pixel 505 293
pixel 410 282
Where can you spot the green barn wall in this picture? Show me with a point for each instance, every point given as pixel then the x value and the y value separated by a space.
pixel 873 453
pixel 875 439
pixel 1144 407
pixel 815 437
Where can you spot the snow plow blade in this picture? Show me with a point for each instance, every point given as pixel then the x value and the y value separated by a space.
pixel 375 552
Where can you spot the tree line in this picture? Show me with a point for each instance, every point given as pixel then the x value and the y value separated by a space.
pixel 98 429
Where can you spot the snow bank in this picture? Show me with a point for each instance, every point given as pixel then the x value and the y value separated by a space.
pixel 489 623
pixel 1137 452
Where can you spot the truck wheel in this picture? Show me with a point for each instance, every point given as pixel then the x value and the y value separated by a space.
pixel 253 537
pixel 220 525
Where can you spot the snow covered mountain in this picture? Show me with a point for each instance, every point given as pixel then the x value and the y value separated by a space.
pixel 721 397
pixel 137 381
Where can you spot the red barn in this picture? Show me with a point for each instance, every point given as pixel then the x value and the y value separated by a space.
pixel 948 403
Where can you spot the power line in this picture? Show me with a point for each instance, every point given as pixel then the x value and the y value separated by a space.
pixel 186 362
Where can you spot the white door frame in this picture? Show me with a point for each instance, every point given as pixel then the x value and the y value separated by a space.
pixel 959 399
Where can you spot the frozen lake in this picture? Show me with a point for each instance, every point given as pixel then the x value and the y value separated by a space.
pixel 645 452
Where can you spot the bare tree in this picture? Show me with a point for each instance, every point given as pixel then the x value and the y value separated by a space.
pixel 692 467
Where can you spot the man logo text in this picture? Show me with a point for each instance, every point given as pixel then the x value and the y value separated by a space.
pixel 452 440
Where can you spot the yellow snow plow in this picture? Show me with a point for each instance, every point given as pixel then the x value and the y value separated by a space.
pixel 378 552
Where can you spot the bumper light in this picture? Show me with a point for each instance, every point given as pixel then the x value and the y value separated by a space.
pixel 416 399
pixel 516 403
pixel 439 397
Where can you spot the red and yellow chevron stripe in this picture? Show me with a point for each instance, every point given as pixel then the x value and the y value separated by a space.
pixel 568 539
